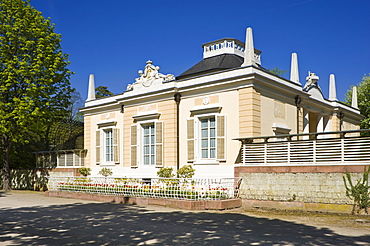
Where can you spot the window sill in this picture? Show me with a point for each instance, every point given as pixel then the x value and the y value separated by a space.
pixel 108 164
pixel 206 162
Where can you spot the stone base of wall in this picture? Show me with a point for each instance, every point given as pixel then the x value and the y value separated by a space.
pixel 181 204
pixel 28 179
pixel 64 172
pixel 301 184
pixel 297 206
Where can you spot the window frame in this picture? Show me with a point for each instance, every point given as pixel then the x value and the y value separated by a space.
pixel 197 139
pixel 209 150
pixel 151 145
pixel 102 147
pixel 108 137
pixel 137 144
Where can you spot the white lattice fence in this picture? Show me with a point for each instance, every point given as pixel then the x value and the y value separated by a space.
pixel 185 189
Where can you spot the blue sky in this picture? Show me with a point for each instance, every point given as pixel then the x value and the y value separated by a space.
pixel 114 38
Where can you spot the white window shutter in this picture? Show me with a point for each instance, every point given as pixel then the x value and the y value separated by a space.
pixel 134 146
pixel 159 144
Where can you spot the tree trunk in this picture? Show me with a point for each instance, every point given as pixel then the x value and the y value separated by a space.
pixel 6 145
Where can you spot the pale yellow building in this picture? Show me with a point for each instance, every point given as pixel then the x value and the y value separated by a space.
pixel 194 118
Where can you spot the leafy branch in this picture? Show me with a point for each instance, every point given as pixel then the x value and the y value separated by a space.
pixel 360 192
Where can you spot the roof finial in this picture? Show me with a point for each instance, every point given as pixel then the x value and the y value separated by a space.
pixel 249 49
pixel 91 91
pixel 354 97
pixel 332 88
pixel 294 73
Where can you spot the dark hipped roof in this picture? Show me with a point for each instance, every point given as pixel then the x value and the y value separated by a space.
pixel 213 64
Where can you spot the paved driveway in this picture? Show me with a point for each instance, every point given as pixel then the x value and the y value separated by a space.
pixel 29 218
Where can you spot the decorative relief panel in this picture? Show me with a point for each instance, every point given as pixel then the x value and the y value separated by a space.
pixel 279 109
pixel 147 108
pixel 107 116
pixel 206 100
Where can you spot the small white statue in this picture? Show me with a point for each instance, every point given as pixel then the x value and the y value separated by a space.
pixel 311 79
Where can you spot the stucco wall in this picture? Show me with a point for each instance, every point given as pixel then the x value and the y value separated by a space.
pixel 277 113
pixel 228 103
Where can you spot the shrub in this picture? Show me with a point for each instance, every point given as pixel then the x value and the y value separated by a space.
pixel 186 171
pixel 105 172
pixel 165 172
pixel 360 192
pixel 84 171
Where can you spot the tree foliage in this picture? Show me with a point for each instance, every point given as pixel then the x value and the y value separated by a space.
pixel 363 98
pixel 277 72
pixel 105 172
pixel 186 171
pixel 84 171
pixel 165 172
pixel 102 91
pixel 34 78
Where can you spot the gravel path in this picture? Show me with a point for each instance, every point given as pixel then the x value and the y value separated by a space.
pixel 30 218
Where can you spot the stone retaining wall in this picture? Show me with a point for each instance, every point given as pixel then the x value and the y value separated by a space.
pixel 36 179
pixel 313 184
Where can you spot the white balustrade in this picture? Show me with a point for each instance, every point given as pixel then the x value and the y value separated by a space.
pixel 315 151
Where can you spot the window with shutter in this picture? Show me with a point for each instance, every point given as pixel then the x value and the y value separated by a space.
pixel 206 141
pixel 147 144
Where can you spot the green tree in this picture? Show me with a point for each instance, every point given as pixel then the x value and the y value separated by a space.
pixel 34 79
pixel 363 98
pixel 277 72
pixel 102 91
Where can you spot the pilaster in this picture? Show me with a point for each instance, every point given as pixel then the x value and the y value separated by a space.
pixel 249 112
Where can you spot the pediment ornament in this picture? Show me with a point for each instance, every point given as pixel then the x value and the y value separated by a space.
pixel 150 75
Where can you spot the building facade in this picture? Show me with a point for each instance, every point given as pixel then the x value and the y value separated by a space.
pixel 193 119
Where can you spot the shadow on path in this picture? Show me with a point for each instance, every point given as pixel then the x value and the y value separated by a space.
pixel 117 224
